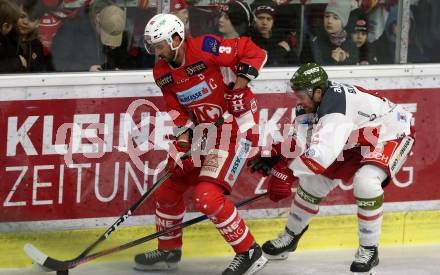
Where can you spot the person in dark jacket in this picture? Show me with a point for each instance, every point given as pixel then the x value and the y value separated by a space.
pixel 29 45
pixel 10 60
pixel 91 41
pixel 331 45
pixel 266 37
pixel 358 29
pixel 235 20
pixel 387 42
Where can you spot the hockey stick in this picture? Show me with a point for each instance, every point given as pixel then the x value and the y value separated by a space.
pixel 49 263
pixel 147 194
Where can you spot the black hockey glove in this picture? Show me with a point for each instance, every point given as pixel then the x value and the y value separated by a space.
pixel 263 164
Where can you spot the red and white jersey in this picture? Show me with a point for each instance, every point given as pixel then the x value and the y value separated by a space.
pixel 197 86
pixel 347 117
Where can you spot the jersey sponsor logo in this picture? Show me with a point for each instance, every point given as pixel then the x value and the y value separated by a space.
pixel 237 163
pixel 165 80
pixel 195 68
pixel 194 93
pixel 181 81
pixel 307 197
pixel 213 163
pixel 279 175
pixel 211 45
pixel 401 154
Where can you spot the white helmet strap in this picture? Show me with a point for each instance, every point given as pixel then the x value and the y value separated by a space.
pixel 175 49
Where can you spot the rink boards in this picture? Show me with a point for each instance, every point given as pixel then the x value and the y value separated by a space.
pixel 79 149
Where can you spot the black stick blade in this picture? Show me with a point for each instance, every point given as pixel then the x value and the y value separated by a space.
pixel 47 263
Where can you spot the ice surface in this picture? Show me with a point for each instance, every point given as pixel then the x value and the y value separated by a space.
pixel 414 260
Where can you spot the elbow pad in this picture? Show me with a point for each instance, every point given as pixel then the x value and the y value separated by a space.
pixel 247 71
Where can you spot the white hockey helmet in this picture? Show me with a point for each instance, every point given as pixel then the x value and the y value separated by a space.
pixel 160 28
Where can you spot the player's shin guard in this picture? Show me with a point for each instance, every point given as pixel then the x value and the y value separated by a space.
pixel 370 216
pixel 233 229
pixel 209 200
pixel 172 240
pixel 304 207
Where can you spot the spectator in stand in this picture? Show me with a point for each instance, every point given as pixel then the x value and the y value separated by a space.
pixel 235 20
pixel 427 16
pixel 288 23
pixel 331 45
pixel 79 44
pixel 180 9
pixel 30 46
pixel 358 28
pixel 387 42
pixel 204 19
pixel 53 18
pixel 266 37
pixel 377 11
pixel 10 61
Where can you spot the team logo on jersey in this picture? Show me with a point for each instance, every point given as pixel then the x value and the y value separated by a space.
pixel 211 45
pixel 238 162
pixel 195 68
pixel 207 112
pixel 165 80
pixel 194 94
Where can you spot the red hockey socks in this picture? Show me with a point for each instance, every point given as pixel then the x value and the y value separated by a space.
pixel 210 200
pixel 170 210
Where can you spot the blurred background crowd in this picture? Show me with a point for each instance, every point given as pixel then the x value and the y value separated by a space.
pixel 96 35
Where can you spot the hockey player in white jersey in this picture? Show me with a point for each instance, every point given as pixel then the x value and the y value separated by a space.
pixel 342 132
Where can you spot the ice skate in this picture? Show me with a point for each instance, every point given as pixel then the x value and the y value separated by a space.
pixel 280 248
pixel 158 260
pixel 366 258
pixel 249 262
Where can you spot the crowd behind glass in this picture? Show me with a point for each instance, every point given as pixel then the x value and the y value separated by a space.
pixel 96 35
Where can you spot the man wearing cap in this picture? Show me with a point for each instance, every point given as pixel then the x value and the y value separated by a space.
pixel 270 40
pixel 358 27
pixel 86 41
pixel 235 19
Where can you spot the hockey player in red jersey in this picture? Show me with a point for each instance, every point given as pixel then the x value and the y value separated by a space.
pixel 341 132
pixel 188 73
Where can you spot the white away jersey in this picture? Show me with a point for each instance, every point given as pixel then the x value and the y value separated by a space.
pixel 348 116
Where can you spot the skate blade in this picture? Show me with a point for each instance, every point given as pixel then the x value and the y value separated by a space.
pixel 257 266
pixel 156 266
pixel 280 257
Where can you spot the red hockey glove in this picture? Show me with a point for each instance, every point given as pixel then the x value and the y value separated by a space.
pixel 176 166
pixel 280 183
pixel 240 101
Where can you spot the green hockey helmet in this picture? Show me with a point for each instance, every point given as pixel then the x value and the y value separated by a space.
pixel 308 77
